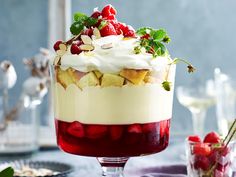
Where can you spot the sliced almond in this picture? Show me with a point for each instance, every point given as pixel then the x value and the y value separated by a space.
pixel 86 47
pixel 63 46
pixel 57 60
pixel 107 46
pixel 96 33
pixel 60 52
pixel 86 39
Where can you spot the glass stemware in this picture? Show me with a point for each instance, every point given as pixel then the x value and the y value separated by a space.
pixel 225 88
pixel 197 100
pixel 110 123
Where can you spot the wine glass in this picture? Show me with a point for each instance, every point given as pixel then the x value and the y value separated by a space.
pixel 225 101
pixel 197 99
pixel 112 122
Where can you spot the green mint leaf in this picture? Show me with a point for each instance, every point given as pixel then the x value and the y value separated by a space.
pixel 80 17
pixel 159 48
pixel 76 27
pixel 102 24
pixel 143 31
pixel 166 85
pixel 90 21
pixel 158 35
pixel 8 172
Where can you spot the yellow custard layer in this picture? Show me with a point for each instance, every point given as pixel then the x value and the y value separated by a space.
pixel 113 105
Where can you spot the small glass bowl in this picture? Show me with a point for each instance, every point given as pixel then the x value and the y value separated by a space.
pixel 210 160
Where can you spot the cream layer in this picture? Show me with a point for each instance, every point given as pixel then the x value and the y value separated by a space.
pixel 113 105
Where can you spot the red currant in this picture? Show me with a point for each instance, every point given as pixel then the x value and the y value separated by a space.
pixel 146 36
pixel 128 31
pixel 118 26
pixel 56 45
pixel 75 49
pixel 88 32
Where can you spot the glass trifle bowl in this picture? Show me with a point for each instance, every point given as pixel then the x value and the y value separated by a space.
pixel 112 90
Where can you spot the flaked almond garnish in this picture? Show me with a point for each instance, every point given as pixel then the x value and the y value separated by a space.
pixel 60 52
pixel 107 46
pixel 96 33
pixel 57 60
pixel 86 39
pixel 86 47
pixel 63 46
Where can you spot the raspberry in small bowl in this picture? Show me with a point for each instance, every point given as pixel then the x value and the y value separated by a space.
pixel 209 157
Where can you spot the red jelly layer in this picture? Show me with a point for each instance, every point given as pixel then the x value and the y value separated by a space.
pixel 112 140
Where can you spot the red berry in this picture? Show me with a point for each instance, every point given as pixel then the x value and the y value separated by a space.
pixel 134 134
pixel 78 42
pixel 88 32
pixel 146 36
pixel 150 127
pixel 214 156
pixel 56 45
pixel 108 30
pixel 135 128
pixel 194 138
pixel 75 49
pixel 108 10
pixel 96 131
pixel 111 17
pixel 201 149
pixel 212 137
pixel 116 132
pixel 118 26
pixel 128 31
pixel 164 127
pixel 76 129
pixel 201 162
pixel 96 14
pixel 220 167
pixel 225 150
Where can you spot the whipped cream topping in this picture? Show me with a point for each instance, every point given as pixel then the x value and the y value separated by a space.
pixel 113 60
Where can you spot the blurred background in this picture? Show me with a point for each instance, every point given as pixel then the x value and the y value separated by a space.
pixel 202 32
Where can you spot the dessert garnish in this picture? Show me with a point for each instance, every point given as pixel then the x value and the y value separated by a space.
pixel 33 172
pixel 7 172
pixel 147 42
pixel 208 153
pixel 153 41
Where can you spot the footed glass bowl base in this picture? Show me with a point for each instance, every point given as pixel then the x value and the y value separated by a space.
pixel 112 166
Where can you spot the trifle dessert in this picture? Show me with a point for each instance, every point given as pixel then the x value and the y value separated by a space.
pixel 113 88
